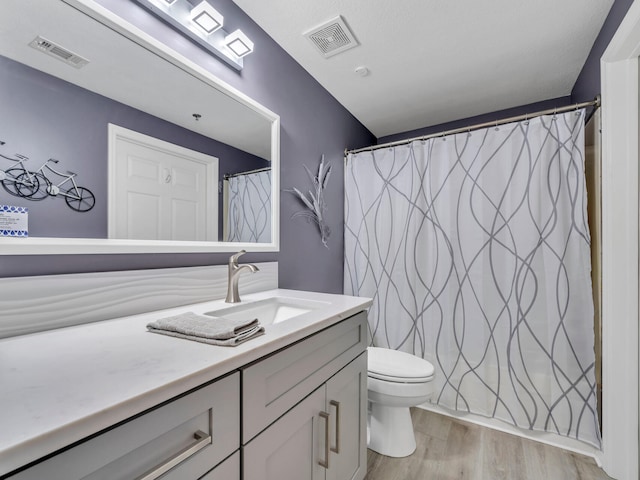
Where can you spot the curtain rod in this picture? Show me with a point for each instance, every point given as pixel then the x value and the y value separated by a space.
pixel 258 170
pixel 593 103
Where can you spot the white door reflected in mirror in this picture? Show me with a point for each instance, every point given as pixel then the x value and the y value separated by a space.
pixel 160 191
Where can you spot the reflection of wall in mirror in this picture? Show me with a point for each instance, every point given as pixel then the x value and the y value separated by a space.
pixel 44 117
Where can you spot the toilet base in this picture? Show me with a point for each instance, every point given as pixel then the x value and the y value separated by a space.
pixel 391 431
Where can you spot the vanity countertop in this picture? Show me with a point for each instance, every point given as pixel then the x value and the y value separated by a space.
pixel 60 386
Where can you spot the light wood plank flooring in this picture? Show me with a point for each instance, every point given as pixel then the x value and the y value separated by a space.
pixel 450 449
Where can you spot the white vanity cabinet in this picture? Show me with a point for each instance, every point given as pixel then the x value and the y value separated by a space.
pixel 322 436
pixel 183 439
pixel 296 413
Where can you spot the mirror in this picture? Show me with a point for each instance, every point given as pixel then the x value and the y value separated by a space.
pixel 130 80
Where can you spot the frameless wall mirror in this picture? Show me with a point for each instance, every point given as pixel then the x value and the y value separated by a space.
pixel 73 73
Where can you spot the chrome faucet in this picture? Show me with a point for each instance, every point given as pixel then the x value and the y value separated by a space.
pixel 234 275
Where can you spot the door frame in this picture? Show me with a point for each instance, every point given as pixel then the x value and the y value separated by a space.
pixel 620 122
pixel 211 163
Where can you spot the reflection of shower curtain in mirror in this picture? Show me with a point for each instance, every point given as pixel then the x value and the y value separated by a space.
pixel 248 208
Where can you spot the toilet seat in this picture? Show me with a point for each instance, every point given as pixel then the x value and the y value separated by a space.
pixel 398 367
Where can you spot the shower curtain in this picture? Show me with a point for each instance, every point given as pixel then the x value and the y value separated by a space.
pixel 475 249
pixel 247 216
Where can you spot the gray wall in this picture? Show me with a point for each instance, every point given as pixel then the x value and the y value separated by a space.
pixel 486 117
pixel 587 85
pixel 312 123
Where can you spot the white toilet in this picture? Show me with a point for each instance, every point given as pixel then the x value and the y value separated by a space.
pixel 396 381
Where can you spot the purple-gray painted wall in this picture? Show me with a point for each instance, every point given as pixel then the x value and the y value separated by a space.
pixel 587 86
pixel 486 117
pixel 312 123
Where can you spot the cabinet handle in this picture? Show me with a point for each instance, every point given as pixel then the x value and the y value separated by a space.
pixel 325 463
pixel 202 440
pixel 337 405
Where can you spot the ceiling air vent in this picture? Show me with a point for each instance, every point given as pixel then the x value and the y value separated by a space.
pixel 56 51
pixel 332 37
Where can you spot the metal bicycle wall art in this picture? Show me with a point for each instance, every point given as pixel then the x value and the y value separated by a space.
pixel 45 182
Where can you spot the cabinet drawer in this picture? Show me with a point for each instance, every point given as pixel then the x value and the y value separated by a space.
pixel 275 384
pixel 227 470
pixel 152 440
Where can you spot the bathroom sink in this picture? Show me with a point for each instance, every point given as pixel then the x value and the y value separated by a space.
pixel 268 311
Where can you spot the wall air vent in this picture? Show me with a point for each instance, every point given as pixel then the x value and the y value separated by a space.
pixel 332 37
pixel 56 51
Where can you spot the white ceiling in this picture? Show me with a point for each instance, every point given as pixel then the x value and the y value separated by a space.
pixel 434 61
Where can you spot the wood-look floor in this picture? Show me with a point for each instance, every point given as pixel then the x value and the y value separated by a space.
pixel 450 449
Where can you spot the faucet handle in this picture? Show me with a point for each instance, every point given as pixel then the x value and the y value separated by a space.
pixel 234 258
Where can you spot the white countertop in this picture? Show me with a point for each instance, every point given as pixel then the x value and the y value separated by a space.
pixel 60 386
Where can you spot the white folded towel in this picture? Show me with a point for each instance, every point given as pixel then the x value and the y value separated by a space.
pixel 207 329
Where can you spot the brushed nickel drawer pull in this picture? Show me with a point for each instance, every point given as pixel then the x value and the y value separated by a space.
pixel 337 405
pixel 202 440
pixel 325 463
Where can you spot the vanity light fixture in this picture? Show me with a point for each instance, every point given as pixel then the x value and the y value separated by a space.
pixel 206 17
pixel 203 25
pixel 239 43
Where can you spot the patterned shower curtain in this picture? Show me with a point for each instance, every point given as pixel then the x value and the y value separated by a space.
pixel 248 208
pixel 475 249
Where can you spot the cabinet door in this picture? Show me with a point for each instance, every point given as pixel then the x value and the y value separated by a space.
pixel 347 406
pixel 292 447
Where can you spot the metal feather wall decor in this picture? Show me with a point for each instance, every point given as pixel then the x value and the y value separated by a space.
pixel 313 201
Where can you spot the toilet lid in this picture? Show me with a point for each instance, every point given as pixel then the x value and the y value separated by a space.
pixel 396 366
